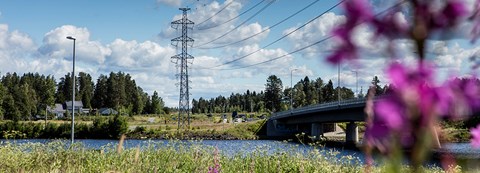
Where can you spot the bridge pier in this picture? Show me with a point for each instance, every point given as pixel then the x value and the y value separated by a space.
pixel 351 133
pixel 316 131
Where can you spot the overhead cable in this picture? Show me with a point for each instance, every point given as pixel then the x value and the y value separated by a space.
pixel 268 28
pixel 218 12
pixel 277 40
pixel 241 24
pixel 301 49
pixel 246 11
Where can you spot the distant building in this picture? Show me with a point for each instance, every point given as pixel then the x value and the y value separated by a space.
pixel 78 107
pixel 107 111
pixel 57 110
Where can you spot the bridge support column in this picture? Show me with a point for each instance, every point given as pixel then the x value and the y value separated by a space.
pixel 351 133
pixel 317 131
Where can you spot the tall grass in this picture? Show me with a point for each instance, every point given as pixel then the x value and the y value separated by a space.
pixel 176 156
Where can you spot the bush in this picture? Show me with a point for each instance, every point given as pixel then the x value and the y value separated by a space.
pixel 102 128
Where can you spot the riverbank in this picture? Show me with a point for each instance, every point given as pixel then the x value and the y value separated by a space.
pixel 175 156
pixel 163 127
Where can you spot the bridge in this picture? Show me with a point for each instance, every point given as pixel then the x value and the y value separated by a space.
pixel 314 120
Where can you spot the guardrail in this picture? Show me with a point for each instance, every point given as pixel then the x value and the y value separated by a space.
pixel 336 104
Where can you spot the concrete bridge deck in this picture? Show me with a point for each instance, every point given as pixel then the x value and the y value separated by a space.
pixel 315 120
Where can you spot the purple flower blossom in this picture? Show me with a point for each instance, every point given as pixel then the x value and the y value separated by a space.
pixel 394 113
pixel 391 112
pixel 463 97
pixel 451 13
pixel 357 11
pixel 216 162
pixel 475 141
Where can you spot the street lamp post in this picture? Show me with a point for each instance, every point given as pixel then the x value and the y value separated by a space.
pixel 291 87
pixel 338 92
pixel 356 81
pixel 73 88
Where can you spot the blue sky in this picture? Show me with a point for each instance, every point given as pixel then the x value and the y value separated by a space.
pixel 134 37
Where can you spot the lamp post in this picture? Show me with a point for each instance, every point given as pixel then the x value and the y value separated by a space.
pixel 356 81
pixel 338 92
pixel 73 88
pixel 291 87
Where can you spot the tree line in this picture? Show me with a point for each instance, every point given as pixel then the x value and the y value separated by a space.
pixel 30 94
pixel 274 98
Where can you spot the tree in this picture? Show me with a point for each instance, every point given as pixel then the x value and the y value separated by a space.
pixel 2 96
pixel 310 91
pixel 157 104
pixel 140 101
pixel 64 89
pixel 11 111
pixel 376 85
pixel 100 93
pixel 299 98
pixel 273 93
pixel 85 89
pixel 346 93
pixel 329 92
pixel 46 93
pixel 318 85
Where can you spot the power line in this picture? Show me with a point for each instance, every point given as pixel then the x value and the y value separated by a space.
pixel 284 36
pixel 268 28
pixel 282 56
pixel 228 32
pixel 301 49
pixel 218 12
pixel 201 28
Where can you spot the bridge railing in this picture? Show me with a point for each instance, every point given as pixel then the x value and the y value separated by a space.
pixel 342 103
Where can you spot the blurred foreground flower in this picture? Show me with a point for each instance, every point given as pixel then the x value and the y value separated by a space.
pixel 407 116
pixel 475 141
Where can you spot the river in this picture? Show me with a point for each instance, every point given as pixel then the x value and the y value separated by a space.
pixel 232 147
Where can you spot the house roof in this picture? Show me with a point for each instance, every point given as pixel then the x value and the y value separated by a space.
pixel 78 104
pixel 107 111
pixel 58 108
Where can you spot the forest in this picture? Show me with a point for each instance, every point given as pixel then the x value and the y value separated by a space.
pixel 22 97
pixel 274 98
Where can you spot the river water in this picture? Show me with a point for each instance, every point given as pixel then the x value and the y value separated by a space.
pixel 233 147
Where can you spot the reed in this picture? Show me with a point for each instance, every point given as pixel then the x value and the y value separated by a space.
pixel 176 156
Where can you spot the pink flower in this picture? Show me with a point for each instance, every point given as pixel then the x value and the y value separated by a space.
pixel 391 112
pixel 391 25
pixel 357 11
pixel 475 141
pixel 451 13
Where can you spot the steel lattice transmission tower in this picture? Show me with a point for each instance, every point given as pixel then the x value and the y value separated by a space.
pixel 181 61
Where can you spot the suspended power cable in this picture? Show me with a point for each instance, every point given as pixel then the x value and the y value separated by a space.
pixel 246 11
pixel 218 12
pixel 230 31
pixel 303 48
pixel 284 36
pixel 268 28
pixel 282 56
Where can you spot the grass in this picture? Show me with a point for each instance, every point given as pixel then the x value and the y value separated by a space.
pixel 165 127
pixel 173 157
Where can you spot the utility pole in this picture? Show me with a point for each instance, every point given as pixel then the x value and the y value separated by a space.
pixel 338 91
pixel 356 81
pixel 181 61
pixel 291 87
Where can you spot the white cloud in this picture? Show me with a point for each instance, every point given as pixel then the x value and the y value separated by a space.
pixel 15 50
pixel 130 54
pixel 173 3
pixel 211 31
pixel 261 55
pixel 56 46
